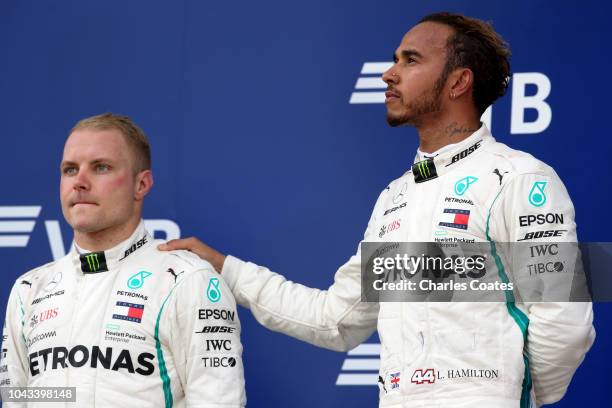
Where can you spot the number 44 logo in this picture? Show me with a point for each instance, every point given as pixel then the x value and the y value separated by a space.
pixel 427 375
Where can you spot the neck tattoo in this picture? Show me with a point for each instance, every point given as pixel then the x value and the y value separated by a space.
pixel 454 129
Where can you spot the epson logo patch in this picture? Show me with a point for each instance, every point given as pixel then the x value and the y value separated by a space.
pixel 540 219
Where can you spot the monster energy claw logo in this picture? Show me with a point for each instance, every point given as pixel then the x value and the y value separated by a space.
pixel 461 186
pixel 92 262
pixel 213 293
pixel 537 197
pixel 423 168
pixel 137 280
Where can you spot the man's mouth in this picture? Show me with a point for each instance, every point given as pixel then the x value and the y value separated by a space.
pixel 391 96
pixel 83 203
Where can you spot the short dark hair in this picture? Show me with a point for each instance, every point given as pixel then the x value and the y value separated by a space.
pixel 134 136
pixel 476 45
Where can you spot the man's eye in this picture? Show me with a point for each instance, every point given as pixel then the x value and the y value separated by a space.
pixel 102 168
pixel 69 171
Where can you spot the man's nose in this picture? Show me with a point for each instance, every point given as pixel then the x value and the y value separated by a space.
pixel 390 76
pixel 81 180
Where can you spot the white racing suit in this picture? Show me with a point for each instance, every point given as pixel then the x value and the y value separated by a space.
pixel 128 327
pixel 486 354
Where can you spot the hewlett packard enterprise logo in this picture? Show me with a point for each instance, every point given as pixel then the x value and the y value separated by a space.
pixel 369 85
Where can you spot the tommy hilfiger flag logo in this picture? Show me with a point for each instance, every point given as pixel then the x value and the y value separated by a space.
pixel 455 218
pixel 132 312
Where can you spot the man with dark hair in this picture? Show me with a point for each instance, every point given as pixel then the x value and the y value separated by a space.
pixel 123 323
pixel 463 187
pixel 474 44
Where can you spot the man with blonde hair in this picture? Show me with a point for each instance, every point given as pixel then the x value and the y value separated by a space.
pixel 121 322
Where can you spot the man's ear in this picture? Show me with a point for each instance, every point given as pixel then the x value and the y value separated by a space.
pixel 144 183
pixel 461 82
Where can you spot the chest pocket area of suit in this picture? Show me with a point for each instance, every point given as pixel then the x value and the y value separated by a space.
pixel 43 321
pixel 457 342
pixel 400 341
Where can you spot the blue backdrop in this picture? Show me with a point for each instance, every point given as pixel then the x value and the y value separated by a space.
pixel 258 149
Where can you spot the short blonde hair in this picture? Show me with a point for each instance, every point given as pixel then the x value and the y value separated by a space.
pixel 134 136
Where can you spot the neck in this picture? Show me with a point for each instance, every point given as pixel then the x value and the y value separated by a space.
pixel 106 238
pixel 445 132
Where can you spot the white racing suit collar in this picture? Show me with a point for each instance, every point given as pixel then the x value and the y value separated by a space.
pixel 102 261
pixel 446 158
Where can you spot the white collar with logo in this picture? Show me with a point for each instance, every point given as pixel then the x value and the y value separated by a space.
pixel 433 167
pixel 103 261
